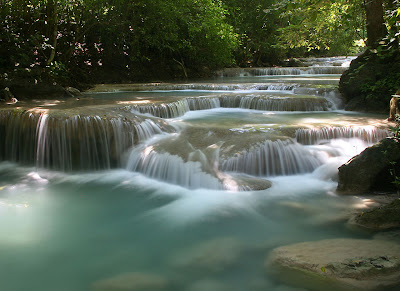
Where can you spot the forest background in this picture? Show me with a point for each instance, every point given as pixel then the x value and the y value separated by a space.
pixel 82 42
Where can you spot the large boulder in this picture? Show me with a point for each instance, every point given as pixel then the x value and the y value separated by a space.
pixel 372 170
pixel 338 264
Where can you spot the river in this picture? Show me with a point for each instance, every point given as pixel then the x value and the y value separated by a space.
pixel 176 186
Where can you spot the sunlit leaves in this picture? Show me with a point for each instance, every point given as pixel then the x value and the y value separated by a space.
pixel 322 25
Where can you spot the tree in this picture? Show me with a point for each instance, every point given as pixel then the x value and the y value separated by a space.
pixel 327 26
pixel 52 31
pixel 374 21
pixel 256 23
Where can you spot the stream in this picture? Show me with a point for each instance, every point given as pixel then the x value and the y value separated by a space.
pixel 176 186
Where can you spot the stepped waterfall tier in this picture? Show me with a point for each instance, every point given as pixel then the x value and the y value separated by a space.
pixel 176 186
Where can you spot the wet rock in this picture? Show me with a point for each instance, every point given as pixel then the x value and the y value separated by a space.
pixel 338 264
pixel 380 218
pixel 293 62
pixel 6 95
pixel 211 256
pixel 371 170
pixel 132 282
pixel 72 92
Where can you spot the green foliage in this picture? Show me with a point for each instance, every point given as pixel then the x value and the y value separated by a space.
pixel 393 164
pixel 331 27
pixel 121 36
pixel 113 40
pixel 257 23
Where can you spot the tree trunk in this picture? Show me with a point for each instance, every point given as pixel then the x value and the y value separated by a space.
pixel 52 23
pixel 376 29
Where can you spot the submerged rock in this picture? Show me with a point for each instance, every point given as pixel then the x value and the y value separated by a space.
pixel 371 170
pixel 132 282
pixel 211 256
pixel 338 264
pixel 246 182
pixel 209 285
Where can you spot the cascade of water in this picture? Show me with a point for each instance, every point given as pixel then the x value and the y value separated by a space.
pixel 283 104
pixel 315 136
pixel 299 71
pixel 82 142
pixel 18 130
pixel 201 103
pixel 171 169
pixel 163 110
pixel 329 61
pixel 272 158
pixel 282 71
pixel 333 96
pixel 274 87
pixel 41 139
pixel 268 103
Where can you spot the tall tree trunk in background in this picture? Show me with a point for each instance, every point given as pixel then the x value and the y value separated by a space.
pixel 52 31
pixel 376 29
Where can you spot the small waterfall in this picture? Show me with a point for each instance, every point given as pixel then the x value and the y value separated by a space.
pixel 163 110
pixel 282 71
pixel 333 96
pixel 224 87
pixel 171 168
pixel 202 103
pixel 272 158
pixel 275 103
pixel 315 136
pixel 19 137
pixel 329 70
pixel 329 61
pixel 176 108
pixel 77 142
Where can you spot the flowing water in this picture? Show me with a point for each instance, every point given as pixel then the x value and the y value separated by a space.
pixel 176 186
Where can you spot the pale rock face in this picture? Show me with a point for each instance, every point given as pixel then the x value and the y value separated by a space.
pixel 348 264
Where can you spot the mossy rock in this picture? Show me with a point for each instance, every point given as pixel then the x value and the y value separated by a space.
pixel 371 80
pixel 381 218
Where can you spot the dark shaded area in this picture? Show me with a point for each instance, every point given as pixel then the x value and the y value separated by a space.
pixel 371 80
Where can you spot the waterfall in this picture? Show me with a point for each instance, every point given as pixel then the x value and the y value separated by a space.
pixel 315 136
pixel 19 138
pixel 163 110
pixel 330 70
pixel 333 96
pixel 282 71
pixel 171 168
pixel 196 103
pixel 223 87
pixel 76 142
pixel 256 102
pixel 272 158
pixel 275 103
